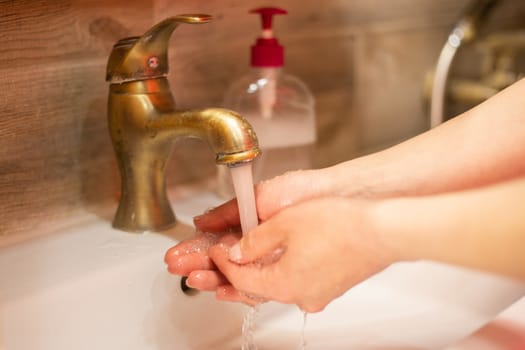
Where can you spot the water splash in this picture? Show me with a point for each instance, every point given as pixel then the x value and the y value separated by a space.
pixel 248 326
pixel 303 331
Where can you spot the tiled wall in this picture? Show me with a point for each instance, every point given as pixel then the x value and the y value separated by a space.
pixel 365 62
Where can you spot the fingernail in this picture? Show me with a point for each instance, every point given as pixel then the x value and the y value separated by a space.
pixel 189 282
pixel 235 253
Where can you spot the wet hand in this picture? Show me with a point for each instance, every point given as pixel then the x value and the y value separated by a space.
pixel 190 257
pixel 307 254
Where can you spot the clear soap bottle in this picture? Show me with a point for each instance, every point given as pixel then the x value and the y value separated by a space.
pixel 279 106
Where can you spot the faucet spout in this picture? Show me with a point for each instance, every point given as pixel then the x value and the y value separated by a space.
pixel 228 134
pixel 144 124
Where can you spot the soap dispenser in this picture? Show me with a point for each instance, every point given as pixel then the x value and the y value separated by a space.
pixel 279 107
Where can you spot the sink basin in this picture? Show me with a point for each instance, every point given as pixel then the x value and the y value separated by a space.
pixel 97 288
pixel 92 287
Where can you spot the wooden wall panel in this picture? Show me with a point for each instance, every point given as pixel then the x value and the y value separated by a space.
pixel 55 154
pixel 54 32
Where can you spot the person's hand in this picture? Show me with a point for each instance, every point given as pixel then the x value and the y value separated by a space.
pixel 307 254
pixel 190 257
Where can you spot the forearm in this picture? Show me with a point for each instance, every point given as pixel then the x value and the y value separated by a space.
pixel 482 146
pixel 482 228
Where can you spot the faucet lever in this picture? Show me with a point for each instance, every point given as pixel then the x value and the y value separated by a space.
pixel 146 56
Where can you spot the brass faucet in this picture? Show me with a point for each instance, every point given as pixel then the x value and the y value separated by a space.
pixel 144 124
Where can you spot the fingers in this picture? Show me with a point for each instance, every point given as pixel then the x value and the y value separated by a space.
pixel 206 280
pixel 246 278
pixel 271 196
pixel 185 264
pixel 199 243
pixel 192 254
pixel 229 293
pixel 259 245
pixel 219 219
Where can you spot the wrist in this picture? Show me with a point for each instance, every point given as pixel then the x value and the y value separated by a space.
pixel 364 177
pixel 393 221
pixel 346 179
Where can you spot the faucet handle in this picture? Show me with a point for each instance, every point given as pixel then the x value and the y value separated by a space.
pixel 146 56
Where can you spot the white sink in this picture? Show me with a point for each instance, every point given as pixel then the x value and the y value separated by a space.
pixel 92 287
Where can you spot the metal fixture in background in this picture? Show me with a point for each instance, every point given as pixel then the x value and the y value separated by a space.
pixel 465 31
pixel 144 124
pixel 500 51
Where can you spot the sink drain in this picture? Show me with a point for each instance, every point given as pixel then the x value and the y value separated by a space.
pixel 185 288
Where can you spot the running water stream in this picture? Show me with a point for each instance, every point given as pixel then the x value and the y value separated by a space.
pixel 243 184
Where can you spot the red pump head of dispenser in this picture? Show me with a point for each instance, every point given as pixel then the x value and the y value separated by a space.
pixel 267 52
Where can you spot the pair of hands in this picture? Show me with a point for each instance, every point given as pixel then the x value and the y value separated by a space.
pixel 309 248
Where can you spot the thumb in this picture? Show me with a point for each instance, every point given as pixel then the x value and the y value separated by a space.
pixel 260 244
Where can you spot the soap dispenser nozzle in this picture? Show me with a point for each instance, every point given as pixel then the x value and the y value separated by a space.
pixel 267 55
pixel 267 52
pixel 267 14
